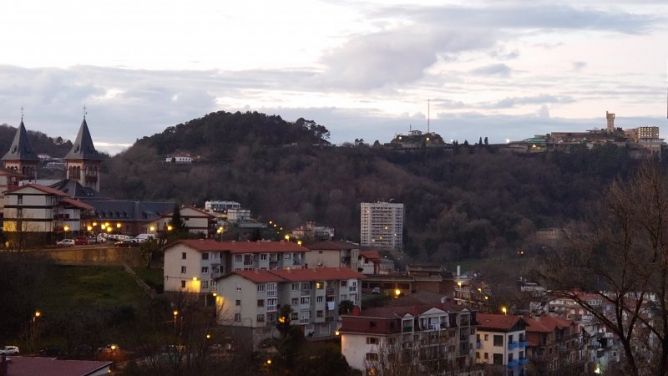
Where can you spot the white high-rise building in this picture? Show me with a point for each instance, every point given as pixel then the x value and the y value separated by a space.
pixel 382 225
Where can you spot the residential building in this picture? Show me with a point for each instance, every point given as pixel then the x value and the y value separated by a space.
pixel 250 300
pixel 20 157
pixel 193 265
pixel 312 232
pixel 415 139
pixel 82 163
pixel 330 253
pixel 221 206
pixel 128 217
pixel 196 221
pixel 553 344
pixel 36 214
pixel 434 339
pixel 382 225
pixel 238 215
pixel 180 158
pixel 9 180
pixel 369 262
pixel 501 342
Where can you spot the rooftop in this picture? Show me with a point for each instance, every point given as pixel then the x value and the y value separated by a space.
pixel 209 245
pixel 498 322
pixel 332 245
pixel 31 366
pixel 297 275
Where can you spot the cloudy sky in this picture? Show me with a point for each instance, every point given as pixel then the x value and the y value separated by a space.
pixel 498 68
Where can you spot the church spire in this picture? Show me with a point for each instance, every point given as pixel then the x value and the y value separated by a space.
pixel 83 148
pixel 21 150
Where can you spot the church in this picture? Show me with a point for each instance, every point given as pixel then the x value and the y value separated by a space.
pixel 37 212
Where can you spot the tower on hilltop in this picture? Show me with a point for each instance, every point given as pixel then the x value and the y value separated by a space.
pixel 610 117
pixel 82 163
pixel 20 157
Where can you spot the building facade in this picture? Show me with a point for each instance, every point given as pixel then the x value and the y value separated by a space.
pixel 501 343
pixel 432 339
pixel 382 225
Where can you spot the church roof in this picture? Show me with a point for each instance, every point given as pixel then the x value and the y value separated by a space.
pixel 20 150
pixel 74 189
pixel 83 148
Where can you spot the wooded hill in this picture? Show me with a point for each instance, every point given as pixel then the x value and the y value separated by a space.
pixel 470 202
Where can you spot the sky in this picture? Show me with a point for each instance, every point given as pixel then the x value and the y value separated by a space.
pixel 502 69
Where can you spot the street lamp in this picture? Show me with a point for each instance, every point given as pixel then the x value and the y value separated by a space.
pixel 504 310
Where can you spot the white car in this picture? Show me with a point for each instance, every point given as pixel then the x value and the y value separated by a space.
pixel 65 243
pixel 9 350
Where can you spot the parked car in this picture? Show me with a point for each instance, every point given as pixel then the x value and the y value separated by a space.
pixel 81 241
pixel 9 350
pixel 65 243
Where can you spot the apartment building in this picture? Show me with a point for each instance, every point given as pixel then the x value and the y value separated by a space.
pixel 501 343
pixel 249 300
pixel 35 214
pixel 333 253
pixel 434 339
pixel 382 225
pixel 553 343
pixel 192 265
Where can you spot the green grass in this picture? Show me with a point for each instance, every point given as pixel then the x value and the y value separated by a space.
pixel 65 287
pixel 153 277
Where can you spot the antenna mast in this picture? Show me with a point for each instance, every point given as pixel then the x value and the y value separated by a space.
pixel 428 114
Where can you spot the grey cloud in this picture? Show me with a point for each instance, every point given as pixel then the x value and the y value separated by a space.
pixel 501 70
pixel 536 99
pixel 579 65
pixel 397 56
pixel 534 16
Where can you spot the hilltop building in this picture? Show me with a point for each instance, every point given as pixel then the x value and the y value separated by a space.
pixel 382 225
pixel 415 139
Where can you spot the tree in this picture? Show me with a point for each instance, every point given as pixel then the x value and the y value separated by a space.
pixel 480 141
pixel 621 255
pixel 486 141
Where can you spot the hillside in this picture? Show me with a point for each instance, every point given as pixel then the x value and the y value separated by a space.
pixel 468 203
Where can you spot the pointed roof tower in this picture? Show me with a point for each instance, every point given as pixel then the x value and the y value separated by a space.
pixel 83 148
pixel 21 149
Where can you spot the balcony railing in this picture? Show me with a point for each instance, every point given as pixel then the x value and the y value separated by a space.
pixel 516 345
pixel 513 363
pixel 523 361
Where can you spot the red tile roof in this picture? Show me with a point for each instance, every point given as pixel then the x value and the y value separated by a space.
pixel 32 366
pixel 209 245
pixel 332 245
pixel 318 274
pixel 498 322
pixel 77 203
pixel 298 275
pixel 259 276
pixel 547 324
pixel 42 188
pixel 372 255
pixel 370 325
pixel 400 311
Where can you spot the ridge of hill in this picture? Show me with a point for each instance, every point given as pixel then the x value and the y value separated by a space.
pixel 40 142
pixel 473 201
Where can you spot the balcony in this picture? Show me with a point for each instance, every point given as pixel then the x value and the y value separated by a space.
pixel 513 363
pixel 517 345
pixel 523 361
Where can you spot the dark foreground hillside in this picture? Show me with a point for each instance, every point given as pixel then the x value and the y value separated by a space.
pixel 471 202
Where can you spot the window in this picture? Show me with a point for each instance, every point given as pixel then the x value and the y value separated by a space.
pixel 371 340
pixel 205 284
pixel 477 355
pixel 344 297
pixel 294 316
pixel 318 299
pixel 477 337
pixel 260 317
pixel 306 285
pixel 261 287
pixel 305 300
pixel 183 255
pixel 183 284
pixel 320 285
pixel 183 270
pixel 237 302
pixel 237 317
pixel 498 359
pixel 319 314
pixel 20 199
pixel 510 357
pixel 295 286
pixel 205 269
pixel 486 356
pixel 521 354
pixel 372 357
pixel 263 257
pixel 238 259
pixel 510 338
pixel 486 337
pixel 260 302
pixel 498 340
pixel 248 259
pixel 205 256
pixel 294 301
pixel 344 283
